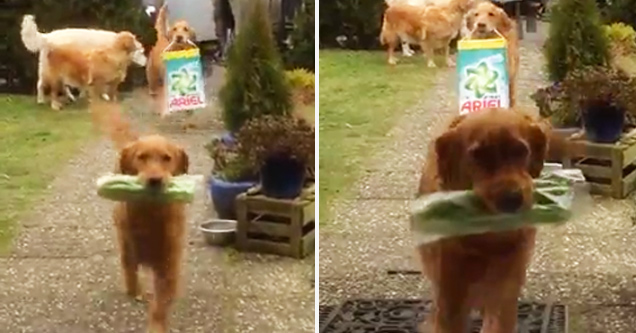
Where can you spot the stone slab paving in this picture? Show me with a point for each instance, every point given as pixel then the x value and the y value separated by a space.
pixel 589 264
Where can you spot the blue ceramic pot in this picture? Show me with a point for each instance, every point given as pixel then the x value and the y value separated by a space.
pixel 282 177
pixel 228 139
pixel 224 194
pixel 603 123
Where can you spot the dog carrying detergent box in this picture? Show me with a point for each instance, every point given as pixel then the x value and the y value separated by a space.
pixel 184 82
pixel 482 74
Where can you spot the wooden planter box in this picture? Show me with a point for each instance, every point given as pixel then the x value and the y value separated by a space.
pixel 610 169
pixel 282 227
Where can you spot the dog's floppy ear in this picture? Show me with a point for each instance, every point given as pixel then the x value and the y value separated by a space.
pixel 538 143
pixel 126 156
pixel 469 18
pixel 193 35
pixel 505 22
pixel 183 162
pixel 126 41
pixel 450 150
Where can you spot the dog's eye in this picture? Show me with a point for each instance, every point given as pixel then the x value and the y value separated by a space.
pixel 186 29
pixel 166 158
pixel 142 157
pixel 476 14
pixel 491 14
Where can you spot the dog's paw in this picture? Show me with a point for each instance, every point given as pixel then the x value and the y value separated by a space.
pixel 431 64
pixel 392 61
pixel 57 106
pixel 106 97
pixel 450 63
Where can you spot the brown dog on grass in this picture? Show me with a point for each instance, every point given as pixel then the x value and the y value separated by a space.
pixel 432 27
pixel 99 71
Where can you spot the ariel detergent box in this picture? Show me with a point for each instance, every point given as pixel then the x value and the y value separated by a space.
pixel 482 74
pixel 184 80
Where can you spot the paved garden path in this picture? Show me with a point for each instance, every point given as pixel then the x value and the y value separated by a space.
pixel 64 277
pixel 589 264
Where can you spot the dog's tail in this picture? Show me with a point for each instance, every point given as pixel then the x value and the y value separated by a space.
pixel 33 40
pixel 109 119
pixel 161 23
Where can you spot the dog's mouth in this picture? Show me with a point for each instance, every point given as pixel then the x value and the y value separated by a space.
pixel 181 39
pixel 139 58
pixel 155 184
pixel 482 31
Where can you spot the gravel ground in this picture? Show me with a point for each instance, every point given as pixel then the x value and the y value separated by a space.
pixel 589 264
pixel 63 275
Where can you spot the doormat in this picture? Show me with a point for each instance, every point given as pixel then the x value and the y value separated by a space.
pixel 404 316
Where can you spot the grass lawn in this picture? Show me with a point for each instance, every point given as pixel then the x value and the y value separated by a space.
pixel 361 97
pixel 34 142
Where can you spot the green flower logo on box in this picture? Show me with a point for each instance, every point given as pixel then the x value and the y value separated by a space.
pixel 184 82
pixel 481 80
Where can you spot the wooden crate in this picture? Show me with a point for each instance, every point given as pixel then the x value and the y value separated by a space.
pixel 610 169
pixel 283 227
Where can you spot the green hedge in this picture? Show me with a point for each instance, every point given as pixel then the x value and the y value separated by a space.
pixel 113 15
pixel 359 21
pixel 621 11
pixel 301 54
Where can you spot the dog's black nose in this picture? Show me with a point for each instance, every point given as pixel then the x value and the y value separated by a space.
pixel 179 39
pixel 154 182
pixel 481 25
pixel 510 201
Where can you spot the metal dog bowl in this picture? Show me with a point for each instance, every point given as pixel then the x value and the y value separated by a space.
pixel 218 232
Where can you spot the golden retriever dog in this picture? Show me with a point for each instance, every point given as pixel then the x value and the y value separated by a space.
pixel 182 37
pixel 486 18
pixel 406 49
pixel 432 27
pixel 496 153
pixel 79 38
pixel 151 235
pixel 100 71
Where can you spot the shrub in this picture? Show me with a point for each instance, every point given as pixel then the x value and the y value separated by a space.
pixel 301 52
pixel 563 102
pixel 256 83
pixel 113 15
pixel 576 38
pixel 621 11
pixel 358 21
pixel 551 103
pixel 275 136
pixel 594 85
pixel 622 38
pixel 229 165
pixel 303 85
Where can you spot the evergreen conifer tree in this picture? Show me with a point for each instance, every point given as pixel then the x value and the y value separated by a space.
pixel 576 38
pixel 255 80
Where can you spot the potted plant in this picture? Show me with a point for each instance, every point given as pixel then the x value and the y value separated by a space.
pixel 255 85
pixel 282 149
pixel 231 176
pixel 603 96
pixel 551 103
